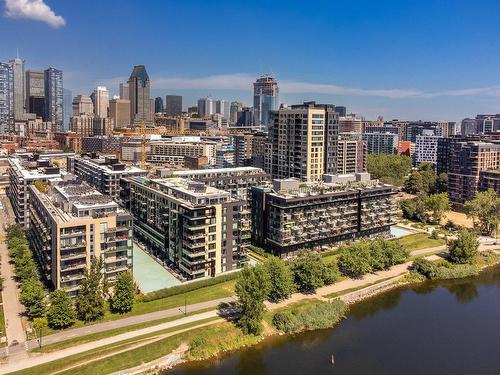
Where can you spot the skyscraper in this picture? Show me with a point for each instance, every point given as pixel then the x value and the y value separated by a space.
pixel 124 91
pixel 54 97
pixel 222 107
pixel 67 108
pixel 6 97
pixel 35 93
pixel 119 111
pixel 233 112
pixel 82 104
pixel 141 109
pixel 265 99
pixel 173 105
pixel 206 106
pixel 19 87
pixel 101 104
pixel 158 105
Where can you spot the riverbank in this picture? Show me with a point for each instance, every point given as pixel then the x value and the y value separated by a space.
pixel 350 298
pixel 232 338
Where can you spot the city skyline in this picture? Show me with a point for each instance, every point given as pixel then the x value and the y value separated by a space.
pixel 419 67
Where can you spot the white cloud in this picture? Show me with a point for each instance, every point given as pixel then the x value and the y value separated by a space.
pixel 243 82
pixel 33 10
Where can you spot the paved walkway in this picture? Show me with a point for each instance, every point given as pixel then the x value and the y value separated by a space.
pixel 343 285
pixel 11 307
pixel 137 319
pixel 49 357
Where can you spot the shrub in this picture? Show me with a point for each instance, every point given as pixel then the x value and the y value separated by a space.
pixel 189 287
pixel 313 316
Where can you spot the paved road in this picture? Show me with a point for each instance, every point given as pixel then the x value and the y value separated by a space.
pixel 11 307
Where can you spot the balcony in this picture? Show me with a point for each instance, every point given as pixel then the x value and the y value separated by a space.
pixel 68 256
pixel 74 246
pixel 74 277
pixel 71 267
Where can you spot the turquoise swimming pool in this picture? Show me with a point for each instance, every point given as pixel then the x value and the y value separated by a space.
pixel 398 231
pixel 149 274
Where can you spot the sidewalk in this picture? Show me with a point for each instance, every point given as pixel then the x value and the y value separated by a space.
pixel 11 306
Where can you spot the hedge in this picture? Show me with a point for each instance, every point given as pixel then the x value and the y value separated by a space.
pixel 188 287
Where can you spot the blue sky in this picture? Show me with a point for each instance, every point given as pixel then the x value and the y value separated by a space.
pixel 431 60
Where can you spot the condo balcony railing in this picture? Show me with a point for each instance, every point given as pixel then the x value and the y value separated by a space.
pixel 73 246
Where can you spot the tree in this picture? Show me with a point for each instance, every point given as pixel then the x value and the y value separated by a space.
pixel 124 292
pixel 422 181
pixel 33 297
pixel 438 204
pixel 90 298
pixel 308 271
pixel 464 248
pixel 441 183
pixel 281 278
pixel 61 313
pixel 390 169
pixel 484 210
pixel 252 288
pixel 413 209
pixel 355 259
pixel 39 324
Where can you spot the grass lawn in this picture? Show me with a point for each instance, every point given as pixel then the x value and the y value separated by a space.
pixel 85 357
pixel 420 241
pixel 111 332
pixel 2 325
pixel 222 290
pixel 203 343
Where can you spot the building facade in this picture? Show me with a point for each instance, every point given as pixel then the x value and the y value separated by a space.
pixel 141 104
pixel 173 105
pixel 19 88
pixel 468 160
pixel 265 100
pixel 82 105
pixel 119 112
pixel 290 216
pixel 54 100
pixel 193 227
pixel 426 148
pixel 7 97
pixel 71 223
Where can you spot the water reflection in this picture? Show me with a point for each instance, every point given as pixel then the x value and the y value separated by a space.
pixel 388 334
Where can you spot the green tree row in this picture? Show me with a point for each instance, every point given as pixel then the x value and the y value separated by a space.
pixel 426 208
pixel 391 169
pixel 365 256
pixel 58 308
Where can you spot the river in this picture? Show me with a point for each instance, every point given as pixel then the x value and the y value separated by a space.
pixel 447 327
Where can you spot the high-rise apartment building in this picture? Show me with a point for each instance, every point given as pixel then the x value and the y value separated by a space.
pixel 141 106
pixel 468 160
pixel 22 174
pixel 19 88
pixel 158 105
pixel 350 124
pixel 82 125
pixel 303 141
pixel 101 102
pixel 67 108
pixel 173 105
pixel 124 91
pixel 35 93
pixel 426 149
pixel 82 105
pixel 6 97
pixel 71 223
pixel 265 99
pixel 341 110
pixel 54 99
pixel 381 143
pixel 119 112
pixel 351 156
pixel 292 215
pixel 189 225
